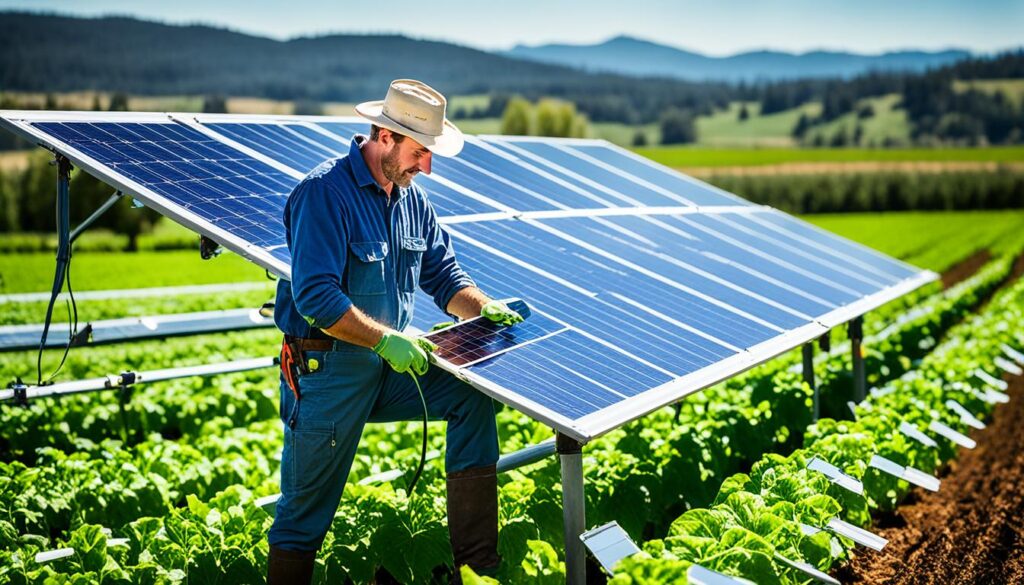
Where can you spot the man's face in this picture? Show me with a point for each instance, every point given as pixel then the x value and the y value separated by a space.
pixel 403 160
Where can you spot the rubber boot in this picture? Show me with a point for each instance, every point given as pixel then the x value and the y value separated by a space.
pixel 473 519
pixel 289 567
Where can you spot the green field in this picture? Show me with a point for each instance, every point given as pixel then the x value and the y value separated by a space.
pixel 932 240
pixel 115 270
pixel 725 129
pixel 1011 88
pixel 692 156
pixel 887 124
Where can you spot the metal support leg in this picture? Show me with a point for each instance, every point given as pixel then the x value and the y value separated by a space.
pixel 809 378
pixel 95 215
pixel 570 454
pixel 860 385
pixel 63 250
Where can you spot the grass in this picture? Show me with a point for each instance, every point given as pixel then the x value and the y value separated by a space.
pixel 469 102
pixel 887 123
pixel 480 126
pixel 116 270
pixel 1011 88
pixel 932 240
pixel 725 129
pixel 691 156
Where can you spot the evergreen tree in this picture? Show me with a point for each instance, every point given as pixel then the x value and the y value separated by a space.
pixel 677 127
pixel 119 102
pixel 215 104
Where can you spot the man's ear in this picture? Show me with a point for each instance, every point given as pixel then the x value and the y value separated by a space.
pixel 385 138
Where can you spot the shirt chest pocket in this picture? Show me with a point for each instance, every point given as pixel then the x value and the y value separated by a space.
pixel 366 268
pixel 410 259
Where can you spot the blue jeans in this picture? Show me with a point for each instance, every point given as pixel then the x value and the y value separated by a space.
pixel 354 386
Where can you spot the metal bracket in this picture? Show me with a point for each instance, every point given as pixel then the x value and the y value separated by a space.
pixel 208 248
pixel 856 333
pixel 808 371
pixel 570 454
pixel 20 392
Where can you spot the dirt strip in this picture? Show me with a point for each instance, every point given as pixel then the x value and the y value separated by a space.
pixel 965 268
pixel 972 530
pixel 817 168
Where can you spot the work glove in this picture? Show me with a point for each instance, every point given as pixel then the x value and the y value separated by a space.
pixel 442 325
pixel 498 312
pixel 404 353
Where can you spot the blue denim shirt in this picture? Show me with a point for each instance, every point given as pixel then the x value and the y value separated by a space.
pixel 353 245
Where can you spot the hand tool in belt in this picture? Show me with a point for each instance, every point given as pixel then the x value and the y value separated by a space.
pixel 293 358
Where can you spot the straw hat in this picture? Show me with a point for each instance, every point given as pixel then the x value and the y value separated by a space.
pixel 416 110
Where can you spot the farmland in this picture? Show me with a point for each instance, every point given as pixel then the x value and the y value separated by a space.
pixel 704 481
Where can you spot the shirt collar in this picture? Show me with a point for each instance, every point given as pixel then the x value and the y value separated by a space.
pixel 362 172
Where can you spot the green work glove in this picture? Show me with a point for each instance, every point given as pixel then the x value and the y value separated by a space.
pixel 404 353
pixel 498 312
pixel 442 325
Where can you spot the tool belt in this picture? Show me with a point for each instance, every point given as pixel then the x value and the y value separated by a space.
pixel 293 358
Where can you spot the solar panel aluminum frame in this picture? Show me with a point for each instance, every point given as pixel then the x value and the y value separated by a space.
pixel 19 122
pixel 589 427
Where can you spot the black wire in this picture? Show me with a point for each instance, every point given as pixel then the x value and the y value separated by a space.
pixel 72 308
pixel 72 321
pixel 423 448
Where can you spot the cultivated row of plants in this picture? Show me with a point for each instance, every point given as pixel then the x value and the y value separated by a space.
pixel 755 517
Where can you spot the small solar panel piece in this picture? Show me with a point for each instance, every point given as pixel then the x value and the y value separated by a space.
pixel 478 339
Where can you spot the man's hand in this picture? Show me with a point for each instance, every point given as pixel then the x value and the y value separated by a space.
pixel 498 312
pixel 404 353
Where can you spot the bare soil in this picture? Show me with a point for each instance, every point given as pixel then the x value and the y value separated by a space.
pixel 965 268
pixel 852 167
pixel 972 530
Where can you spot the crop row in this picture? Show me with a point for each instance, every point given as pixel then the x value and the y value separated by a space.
pixel 755 518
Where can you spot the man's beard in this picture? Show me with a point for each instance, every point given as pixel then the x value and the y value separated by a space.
pixel 392 170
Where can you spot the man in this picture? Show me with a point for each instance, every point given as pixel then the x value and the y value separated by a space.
pixel 362 236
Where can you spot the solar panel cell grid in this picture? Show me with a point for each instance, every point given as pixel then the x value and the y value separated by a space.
pixel 627 186
pixel 694 191
pixel 190 169
pixel 570 374
pixel 480 339
pixel 276 142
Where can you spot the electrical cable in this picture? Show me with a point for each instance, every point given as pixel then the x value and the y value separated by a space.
pixel 72 319
pixel 423 448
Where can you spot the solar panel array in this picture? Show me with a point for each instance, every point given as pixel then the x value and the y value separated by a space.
pixel 646 285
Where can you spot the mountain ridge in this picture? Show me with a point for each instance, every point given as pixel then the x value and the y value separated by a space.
pixel 627 55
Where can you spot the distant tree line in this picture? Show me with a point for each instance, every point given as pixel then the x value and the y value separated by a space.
pixel 880 191
pixel 936 109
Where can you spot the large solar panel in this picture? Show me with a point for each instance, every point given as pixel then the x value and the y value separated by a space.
pixel 646 285
pixel 196 180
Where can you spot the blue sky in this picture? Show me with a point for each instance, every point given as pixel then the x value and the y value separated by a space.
pixel 720 27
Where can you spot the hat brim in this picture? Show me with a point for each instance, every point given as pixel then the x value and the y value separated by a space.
pixel 448 144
